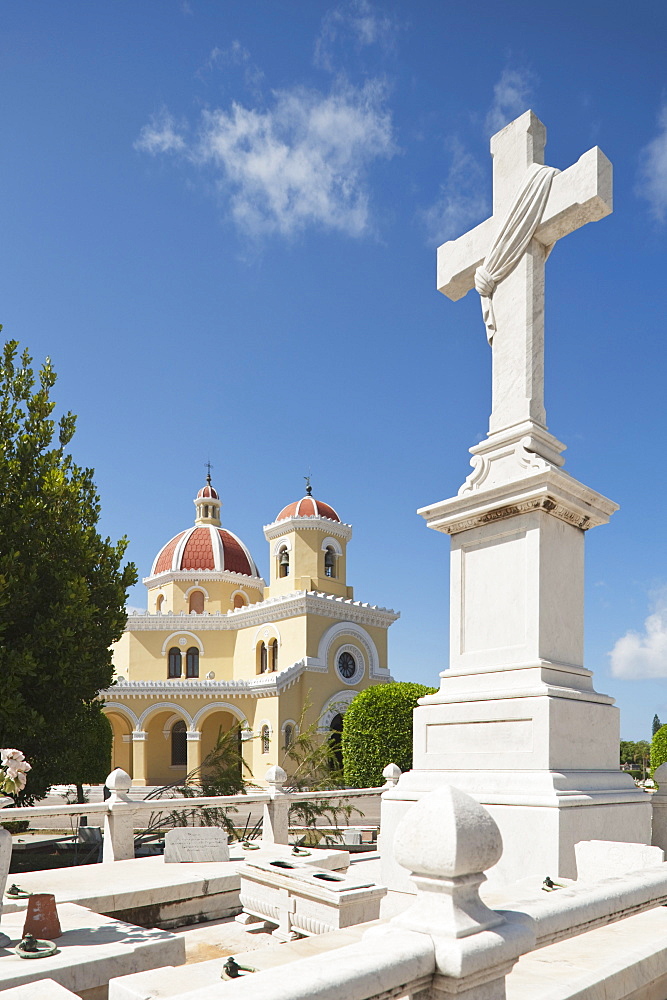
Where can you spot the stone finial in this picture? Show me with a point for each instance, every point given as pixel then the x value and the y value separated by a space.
pixel 391 774
pixel 119 782
pixel 447 840
pixel 275 777
pixel 447 834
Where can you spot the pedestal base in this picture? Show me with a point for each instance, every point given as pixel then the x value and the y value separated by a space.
pixel 541 816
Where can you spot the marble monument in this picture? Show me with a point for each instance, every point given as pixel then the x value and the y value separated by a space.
pixel 517 723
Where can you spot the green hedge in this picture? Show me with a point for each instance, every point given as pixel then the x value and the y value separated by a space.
pixel 659 748
pixel 377 730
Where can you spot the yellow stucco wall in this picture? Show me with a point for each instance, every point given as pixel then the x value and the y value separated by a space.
pixel 218 594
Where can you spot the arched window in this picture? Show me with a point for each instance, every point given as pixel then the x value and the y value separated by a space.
pixel 263 659
pixel 175 668
pixel 273 646
pixel 239 601
pixel 192 662
pixel 196 602
pixel 205 510
pixel 329 562
pixel 335 741
pixel 283 561
pixel 266 739
pixel 159 602
pixel 289 736
pixel 179 746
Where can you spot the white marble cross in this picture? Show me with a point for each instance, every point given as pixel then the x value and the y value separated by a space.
pixel 580 194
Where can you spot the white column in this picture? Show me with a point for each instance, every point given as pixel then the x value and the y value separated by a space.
pixel 120 819
pixel 275 822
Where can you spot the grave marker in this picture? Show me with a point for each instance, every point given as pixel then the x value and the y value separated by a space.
pixel 189 844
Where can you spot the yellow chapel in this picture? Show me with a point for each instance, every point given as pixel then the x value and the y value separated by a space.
pixel 218 648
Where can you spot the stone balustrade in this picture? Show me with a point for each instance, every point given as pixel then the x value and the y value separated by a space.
pixel 122 814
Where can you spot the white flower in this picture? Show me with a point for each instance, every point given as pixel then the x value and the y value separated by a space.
pixel 13 770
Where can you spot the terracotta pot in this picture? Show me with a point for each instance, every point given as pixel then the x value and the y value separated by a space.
pixel 42 917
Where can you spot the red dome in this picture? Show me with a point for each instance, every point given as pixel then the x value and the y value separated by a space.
pixel 205 547
pixel 308 507
pixel 209 492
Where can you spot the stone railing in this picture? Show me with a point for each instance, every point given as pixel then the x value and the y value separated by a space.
pixel 122 814
pixel 448 942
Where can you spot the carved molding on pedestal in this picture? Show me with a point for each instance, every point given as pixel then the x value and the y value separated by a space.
pixel 548 489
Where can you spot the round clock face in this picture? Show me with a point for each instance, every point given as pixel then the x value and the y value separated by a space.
pixel 346 665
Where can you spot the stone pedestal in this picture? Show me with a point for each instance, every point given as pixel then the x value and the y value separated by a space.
pixel 516 723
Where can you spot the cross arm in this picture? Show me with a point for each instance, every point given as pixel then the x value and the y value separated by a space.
pixel 580 194
pixel 459 259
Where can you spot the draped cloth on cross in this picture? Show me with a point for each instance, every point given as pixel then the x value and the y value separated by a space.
pixel 513 238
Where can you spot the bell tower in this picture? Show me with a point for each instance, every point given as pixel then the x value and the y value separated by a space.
pixel 308 545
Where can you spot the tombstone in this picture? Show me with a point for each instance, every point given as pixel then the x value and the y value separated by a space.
pixel 599 859
pixel 301 900
pixel 195 843
pixel 517 723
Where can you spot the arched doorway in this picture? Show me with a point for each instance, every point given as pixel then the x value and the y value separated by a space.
pixel 336 740
pixel 165 747
pixel 179 746
pixel 121 747
pixel 222 729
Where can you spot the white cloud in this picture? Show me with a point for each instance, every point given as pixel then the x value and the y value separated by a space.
pixel 132 610
pixel 511 97
pixel 160 136
pixel 644 654
pixel 652 180
pixel 358 22
pixel 461 202
pixel 236 54
pixel 303 161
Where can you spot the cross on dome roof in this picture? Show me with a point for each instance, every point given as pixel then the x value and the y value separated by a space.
pixel 208 491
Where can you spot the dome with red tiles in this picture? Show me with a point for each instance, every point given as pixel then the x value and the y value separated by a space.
pixel 209 492
pixel 308 506
pixel 205 547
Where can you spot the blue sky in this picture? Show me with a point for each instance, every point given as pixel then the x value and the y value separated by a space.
pixel 220 220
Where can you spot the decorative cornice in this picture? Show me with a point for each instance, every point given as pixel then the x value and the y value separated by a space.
pixel 208 575
pixel 325 524
pixel 551 490
pixel 263 612
pixel 263 686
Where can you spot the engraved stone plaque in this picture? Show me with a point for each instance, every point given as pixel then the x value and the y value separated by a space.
pixel 195 843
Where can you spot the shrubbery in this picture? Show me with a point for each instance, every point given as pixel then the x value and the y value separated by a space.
pixel 377 730
pixel 659 748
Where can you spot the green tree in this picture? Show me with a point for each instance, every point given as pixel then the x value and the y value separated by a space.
pixel 62 587
pixel 656 725
pixel 377 730
pixel 659 748
pixel 626 752
pixel 84 757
